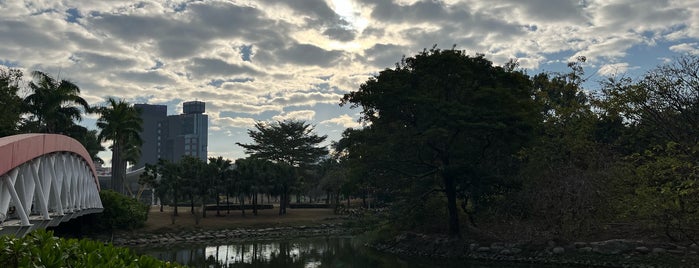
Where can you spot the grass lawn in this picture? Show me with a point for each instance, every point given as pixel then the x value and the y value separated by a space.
pixel 162 221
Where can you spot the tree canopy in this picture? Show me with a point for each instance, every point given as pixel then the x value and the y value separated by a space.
pixel 290 142
pixel 447 120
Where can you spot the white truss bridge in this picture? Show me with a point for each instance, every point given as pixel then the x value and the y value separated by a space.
pixel 45 179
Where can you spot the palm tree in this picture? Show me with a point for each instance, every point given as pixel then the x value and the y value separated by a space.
pixel 222 169
pixel 54 105
pixel 120 123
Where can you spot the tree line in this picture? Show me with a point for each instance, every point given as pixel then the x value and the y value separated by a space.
pixel 452 143
pixel 456 143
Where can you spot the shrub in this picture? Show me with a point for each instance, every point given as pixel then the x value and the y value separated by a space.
pixel 120 212
pixel 41 249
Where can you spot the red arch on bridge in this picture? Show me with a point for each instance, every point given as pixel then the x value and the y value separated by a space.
pixel 19 149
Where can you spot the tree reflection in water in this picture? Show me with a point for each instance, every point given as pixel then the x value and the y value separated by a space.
pixel 303 253
pixel 306 253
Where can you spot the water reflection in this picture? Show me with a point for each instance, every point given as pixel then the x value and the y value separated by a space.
pixel 304 253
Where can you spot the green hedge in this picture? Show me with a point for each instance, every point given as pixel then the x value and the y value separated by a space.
pixel 120 212
pixel 41 249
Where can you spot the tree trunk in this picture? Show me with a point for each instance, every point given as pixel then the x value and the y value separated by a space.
pixel 191 203
pixel 174 198
pixel 337 202
pixel 117 176
pixel 228 204
pixel 364 200
pixel 450 190
pixel 218 205
pixel 254 204
pixel 327 198
pixel 242 204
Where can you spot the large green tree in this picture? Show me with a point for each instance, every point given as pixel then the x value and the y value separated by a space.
pixel 10 102
pixel 289 142
pixel 445 122
pixel 54 105
pixel 120 123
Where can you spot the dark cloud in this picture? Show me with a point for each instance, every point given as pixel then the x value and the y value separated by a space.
pixel 102 61
pixel 178 47
pixel 417 12
pixel 148 77
pixel 309 55
pixel 205 67
pixel 548 11
pixel 135 28
pixel 26 35
pixel 385 55
pixel 317 11
pixel 340 34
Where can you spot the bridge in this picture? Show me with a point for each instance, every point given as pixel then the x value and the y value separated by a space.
pixel 45 179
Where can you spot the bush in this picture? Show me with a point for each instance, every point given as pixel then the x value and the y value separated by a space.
pixel 120 212
pixel 41 249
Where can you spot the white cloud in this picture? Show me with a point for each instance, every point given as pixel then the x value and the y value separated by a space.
pixel 344 120
pixel 305 115
pixel 686 48
pixel 308 54
pixel 238 122
pixel 614 69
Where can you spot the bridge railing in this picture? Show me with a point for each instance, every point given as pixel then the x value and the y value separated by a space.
pixel 45 179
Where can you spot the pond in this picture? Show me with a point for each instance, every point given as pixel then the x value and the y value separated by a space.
pixel 305 253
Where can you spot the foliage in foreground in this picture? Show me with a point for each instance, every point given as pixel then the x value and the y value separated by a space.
pixel 41 249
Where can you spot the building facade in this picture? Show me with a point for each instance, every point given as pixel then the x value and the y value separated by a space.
pixel 171 137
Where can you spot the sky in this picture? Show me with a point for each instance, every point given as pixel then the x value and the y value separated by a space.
pixel 270 60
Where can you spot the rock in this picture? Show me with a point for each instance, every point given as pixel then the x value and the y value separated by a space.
pixel 694 246
pixel 585 249
pixel 497 246
pixel 659 250
pixel 551 243
pixel 483 249
pixel 506 252
pixel 473 247
pixel 580 244
pixel 643 250
pixel 614 246
pixel 515 250
pixel 676 252
pixel 558 250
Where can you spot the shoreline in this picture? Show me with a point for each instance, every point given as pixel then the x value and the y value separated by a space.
pixel 608 253
pixel 225 235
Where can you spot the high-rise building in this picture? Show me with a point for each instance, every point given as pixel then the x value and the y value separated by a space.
pixel 171 137
pixel 153 117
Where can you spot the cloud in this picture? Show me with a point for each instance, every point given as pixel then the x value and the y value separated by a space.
pixel 614 69
pixel 258 59
pixel 306 99
pixel 238 122
pixel 344 120
pixel 207 67
pixel 306 115
pixel 686 48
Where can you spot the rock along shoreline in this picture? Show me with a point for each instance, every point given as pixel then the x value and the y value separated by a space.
pixel 225 235
pixel 609 253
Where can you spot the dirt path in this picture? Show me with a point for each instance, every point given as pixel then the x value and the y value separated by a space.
pixel 162 221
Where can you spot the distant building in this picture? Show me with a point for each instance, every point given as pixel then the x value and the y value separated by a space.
pixel 171 137
pixel 153 117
